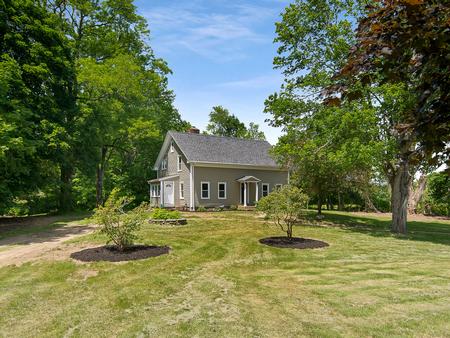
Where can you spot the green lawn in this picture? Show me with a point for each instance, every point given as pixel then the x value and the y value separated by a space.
pixel 219 281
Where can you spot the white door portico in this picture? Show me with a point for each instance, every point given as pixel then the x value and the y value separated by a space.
pixel 245 188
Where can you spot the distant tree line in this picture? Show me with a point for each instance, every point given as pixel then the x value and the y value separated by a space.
pixel 84 104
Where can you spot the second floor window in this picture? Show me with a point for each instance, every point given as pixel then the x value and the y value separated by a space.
pixel 179 163
pixel 164 164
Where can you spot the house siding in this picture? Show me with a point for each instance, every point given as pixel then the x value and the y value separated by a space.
pixel 230 175
pixel 172 169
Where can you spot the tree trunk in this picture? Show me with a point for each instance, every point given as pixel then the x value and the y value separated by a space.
pixel 289 231
pixel 399 200
pixel 65 190
pixel 100 176
pixel 368 204
pixel 416 194
pixel 340 202
pixel 319 205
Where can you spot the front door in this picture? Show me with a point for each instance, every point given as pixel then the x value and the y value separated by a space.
pixel 169 195
pixel 242 193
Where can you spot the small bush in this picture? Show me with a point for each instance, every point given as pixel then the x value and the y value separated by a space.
pixel 118 225
pixel 165 214
pixel 284 207
pixel 201 209
pixel 233 207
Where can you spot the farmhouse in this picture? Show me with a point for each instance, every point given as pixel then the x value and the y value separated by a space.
pixel 195 170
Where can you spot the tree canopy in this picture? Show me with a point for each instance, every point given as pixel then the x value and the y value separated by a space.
pixel 84 104
pixel 223 123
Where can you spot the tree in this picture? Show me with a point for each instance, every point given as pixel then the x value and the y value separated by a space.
pixel 404 44
pixel 284 207
pixel 37 77
pixel 436 199
pixel 328 148
pixel 120 84
pixel 222 123
pixel 408 42
pixel 253 132
pixel 120 226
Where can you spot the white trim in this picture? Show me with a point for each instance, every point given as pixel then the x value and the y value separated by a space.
pixel 179 163
pixel 191 187
pixel 218 190
pixel 262 189
pixel 257 191
pixel 181 190
pixel 161 193
pixel 164 149
pixel 245 194
pixel 201 190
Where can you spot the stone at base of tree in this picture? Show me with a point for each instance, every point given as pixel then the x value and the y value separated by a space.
pixel 180 221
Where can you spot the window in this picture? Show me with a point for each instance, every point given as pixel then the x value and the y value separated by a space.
pixel 164 164
pixel 180 161
pixel 278 186
pixel 181 190
pixel 222 190
pixel 171 147
pixel 155 190
pixel 205 191
pixel 265 189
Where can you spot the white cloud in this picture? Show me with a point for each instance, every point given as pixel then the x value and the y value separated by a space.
pixel 221 36
pixel 257 82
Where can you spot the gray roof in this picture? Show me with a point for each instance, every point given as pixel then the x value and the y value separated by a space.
pixel 226 150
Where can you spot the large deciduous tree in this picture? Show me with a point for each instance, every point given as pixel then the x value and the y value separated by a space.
pixel 405 44
pixel 327 148
pixel 37 102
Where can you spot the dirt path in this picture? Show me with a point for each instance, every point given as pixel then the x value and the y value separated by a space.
pixel 49 244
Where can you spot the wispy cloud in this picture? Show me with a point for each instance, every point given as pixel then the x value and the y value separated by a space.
pixel 258 82
pixel 221 35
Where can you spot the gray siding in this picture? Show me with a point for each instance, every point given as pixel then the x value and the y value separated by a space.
pixel 230 175
pixel 172 169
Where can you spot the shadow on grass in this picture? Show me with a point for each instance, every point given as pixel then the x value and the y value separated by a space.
pixel 429 231
pixel 38 229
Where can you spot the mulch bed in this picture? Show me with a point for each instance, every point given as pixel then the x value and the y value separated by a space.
pixel 293 243
pixel 110 253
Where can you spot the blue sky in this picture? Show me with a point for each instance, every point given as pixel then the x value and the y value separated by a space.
pixel 220 53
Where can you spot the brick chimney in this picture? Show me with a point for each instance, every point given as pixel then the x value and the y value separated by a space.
pixel 193 130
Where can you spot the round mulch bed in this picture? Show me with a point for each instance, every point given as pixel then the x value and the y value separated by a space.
pixel 293 243
pixel 111 254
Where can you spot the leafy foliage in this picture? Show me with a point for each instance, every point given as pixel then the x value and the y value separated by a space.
pixel 222 123
pixel 284 207
pixel 409 42
pixel 120 226
pixel 159 213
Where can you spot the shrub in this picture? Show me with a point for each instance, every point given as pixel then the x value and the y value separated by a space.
pixel 233 207
pixel 284 207
pixel 118 225
pixel 165 214
pixel 201 209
